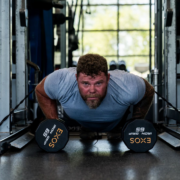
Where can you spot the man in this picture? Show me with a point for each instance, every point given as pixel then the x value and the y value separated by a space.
pixel 96 99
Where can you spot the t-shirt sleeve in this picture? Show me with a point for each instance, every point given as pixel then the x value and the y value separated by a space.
pixel 136 87
pixel 59 83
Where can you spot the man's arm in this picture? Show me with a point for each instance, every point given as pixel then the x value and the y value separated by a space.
pixel 142 107
pixel 47 105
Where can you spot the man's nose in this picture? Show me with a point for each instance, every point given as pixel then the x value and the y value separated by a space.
pixel 92 89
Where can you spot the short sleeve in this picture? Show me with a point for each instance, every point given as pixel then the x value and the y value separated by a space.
pixel 59 84
pixel 137 89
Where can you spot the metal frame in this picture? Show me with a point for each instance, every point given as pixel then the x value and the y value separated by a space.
pixel 63 37
pixel 117 4
pixel 4 63
pixel 170 55
pixel 21 56
pixel 170 59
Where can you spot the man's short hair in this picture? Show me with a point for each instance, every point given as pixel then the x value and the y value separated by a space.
pixel 92 64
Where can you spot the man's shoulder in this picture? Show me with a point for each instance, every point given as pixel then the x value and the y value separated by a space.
pixel 64 73
pixel 127 86
pixel 71 70
pixel 120 76
pixel 60 82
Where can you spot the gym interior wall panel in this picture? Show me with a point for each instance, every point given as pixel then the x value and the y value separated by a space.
pixel 4 63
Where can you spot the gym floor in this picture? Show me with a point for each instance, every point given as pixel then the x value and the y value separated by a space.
pixel 85 160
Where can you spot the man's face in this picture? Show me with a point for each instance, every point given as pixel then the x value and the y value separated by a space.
pixel 93 89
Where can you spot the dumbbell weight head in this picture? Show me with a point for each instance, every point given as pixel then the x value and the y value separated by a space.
pixel 52 135
pixel 139 135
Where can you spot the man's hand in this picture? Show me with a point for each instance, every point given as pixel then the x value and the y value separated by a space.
pixel 142 107
pixel 47 105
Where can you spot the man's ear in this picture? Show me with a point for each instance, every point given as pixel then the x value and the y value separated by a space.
pixel 108 77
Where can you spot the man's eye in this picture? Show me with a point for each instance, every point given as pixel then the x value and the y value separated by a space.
pixel 85 84
pixel 99 83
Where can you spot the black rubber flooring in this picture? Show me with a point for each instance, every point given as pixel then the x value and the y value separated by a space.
pixel 81 160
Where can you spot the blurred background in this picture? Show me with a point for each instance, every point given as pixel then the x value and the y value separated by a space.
pixel 117 30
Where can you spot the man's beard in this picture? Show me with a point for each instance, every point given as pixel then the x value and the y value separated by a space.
pixel 93 104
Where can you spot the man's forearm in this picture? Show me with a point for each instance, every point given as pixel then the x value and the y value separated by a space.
pixel 47 105
pixel 141 108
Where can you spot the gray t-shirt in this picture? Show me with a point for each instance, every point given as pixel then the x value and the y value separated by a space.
pixel 124 89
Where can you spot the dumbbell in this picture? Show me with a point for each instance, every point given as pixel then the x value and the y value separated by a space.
pixel 139 135
pixel 52 135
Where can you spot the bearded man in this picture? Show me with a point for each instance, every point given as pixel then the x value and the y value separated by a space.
pixel 96 99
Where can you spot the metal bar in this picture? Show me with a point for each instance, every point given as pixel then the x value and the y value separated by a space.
pixel 80 13
pixel 159 42
pixel 12 137
pixel 4 63
pixel 112 55
pixel 118 51
pixel 171 58
pixel 19 110
pixel 108 30
pixel 165 63
pixel 20 57
pixel 82 32
pixel 70 26
pixel 150 47
pixel 117 4
pixel 173 131
pixel 74 11
pixel 155 71
pixel 63 37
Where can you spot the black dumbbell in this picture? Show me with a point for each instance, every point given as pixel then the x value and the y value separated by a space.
pixel 139 135
pixel 52 135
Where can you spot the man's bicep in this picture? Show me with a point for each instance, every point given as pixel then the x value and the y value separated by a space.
pixel 40 88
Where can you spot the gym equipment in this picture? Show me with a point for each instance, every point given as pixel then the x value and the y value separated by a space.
pixel 52 135
pixel 168 17
pixel 122 65
pixel 141 67
pixel 60 19
pixel 139 135
pixel 43 4
pixel 112 65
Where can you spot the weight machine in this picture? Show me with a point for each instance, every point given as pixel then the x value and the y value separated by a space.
pixel 166 72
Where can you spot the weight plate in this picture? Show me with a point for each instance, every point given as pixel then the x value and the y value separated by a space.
pixel 52 135
pixel 140 135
